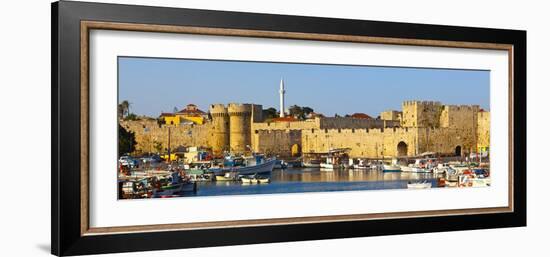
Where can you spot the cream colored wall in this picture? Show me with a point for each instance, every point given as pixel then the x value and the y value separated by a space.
pixel 373 143
pixel 483 130
pixel 148 132
pixel 421 113
pixel 452 126
pixel 391 115
pixel 276 142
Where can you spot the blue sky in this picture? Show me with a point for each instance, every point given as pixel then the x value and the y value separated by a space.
pixel 155 85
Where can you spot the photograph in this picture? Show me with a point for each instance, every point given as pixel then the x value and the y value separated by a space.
pixel 194 127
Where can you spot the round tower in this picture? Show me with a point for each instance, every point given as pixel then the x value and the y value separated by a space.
pixel 239 127
pixel 219 133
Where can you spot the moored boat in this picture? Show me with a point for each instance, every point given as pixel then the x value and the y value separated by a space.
pixel 259 166
pixel 391 168
pixel 248 180
pixel 176 186
pixel 312 164
pixel 228 176
pixel 419 185
pixel 263 180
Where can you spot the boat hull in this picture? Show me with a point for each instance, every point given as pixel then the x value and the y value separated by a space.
pixel 261 169
pixel 389 168
pixel 419 185
pixel 176 189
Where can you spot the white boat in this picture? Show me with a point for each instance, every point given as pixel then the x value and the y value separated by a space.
pixel 391 168
pixel 248 180
pixel 419 185
pixel 254 180
pixel 229 176
pixel 261 168
pixel 420 170
pixel 406 169
pixel 263 180
pixel 361 165
pixel 329 166
pixel 312 164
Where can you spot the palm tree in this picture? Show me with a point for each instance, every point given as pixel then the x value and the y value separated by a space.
pixel 125 105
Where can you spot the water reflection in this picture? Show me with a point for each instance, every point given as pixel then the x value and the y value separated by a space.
pixel 321 175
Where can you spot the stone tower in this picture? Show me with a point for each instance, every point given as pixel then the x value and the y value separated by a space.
pixel 219 132
pixel 421 114
pixel 239 127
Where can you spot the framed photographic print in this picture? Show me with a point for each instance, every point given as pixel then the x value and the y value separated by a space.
pixel 178 128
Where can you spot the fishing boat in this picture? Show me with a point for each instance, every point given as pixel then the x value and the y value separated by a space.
pixel 406 168
pixel 248 180
pixel 361 165
pixel 246 166
pixel 420 170
pixel 280 164
pixel 176 186
pixel 312 163
pixel 263 180
pixel 255 179
pixel 391 168
pixel 330 166
pixel 419 185
pixel 228 176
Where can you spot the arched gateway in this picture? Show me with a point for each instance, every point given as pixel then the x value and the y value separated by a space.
pixel 402 149
pixel 458 151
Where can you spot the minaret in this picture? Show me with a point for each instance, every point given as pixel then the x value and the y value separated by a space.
pixel 282 99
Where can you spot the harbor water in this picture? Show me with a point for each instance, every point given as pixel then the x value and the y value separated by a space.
pixel 302 180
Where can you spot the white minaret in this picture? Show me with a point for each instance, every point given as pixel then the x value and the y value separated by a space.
pixel 282 99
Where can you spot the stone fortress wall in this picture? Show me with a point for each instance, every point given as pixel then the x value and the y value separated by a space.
pixel 421 126
pixel 149 134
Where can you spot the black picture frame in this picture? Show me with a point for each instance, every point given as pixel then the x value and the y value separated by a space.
pixel 66 209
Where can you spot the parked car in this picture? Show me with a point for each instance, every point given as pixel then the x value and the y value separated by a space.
pixel 128 161
pixel 151 159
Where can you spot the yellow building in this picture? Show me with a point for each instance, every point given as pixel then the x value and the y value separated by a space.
pixel 190 114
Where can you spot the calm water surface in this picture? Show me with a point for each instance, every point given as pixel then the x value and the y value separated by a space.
pixel 299 180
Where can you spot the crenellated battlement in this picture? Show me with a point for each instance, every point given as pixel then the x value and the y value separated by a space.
pixel 418 102
pixel 239 109
pixel 462 107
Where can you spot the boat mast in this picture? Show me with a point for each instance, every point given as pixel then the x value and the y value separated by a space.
pixel 169 157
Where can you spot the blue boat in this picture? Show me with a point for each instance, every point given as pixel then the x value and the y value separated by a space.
pixel 256 164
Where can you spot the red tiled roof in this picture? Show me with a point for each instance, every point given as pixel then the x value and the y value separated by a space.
pixel 164 114
pixel 191 109
pixel 284 119
pixel 361 116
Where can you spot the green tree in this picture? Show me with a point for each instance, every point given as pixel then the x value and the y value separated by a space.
pixel 126 141
pixel 270 113
pixel 307 110
pixel 299 112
